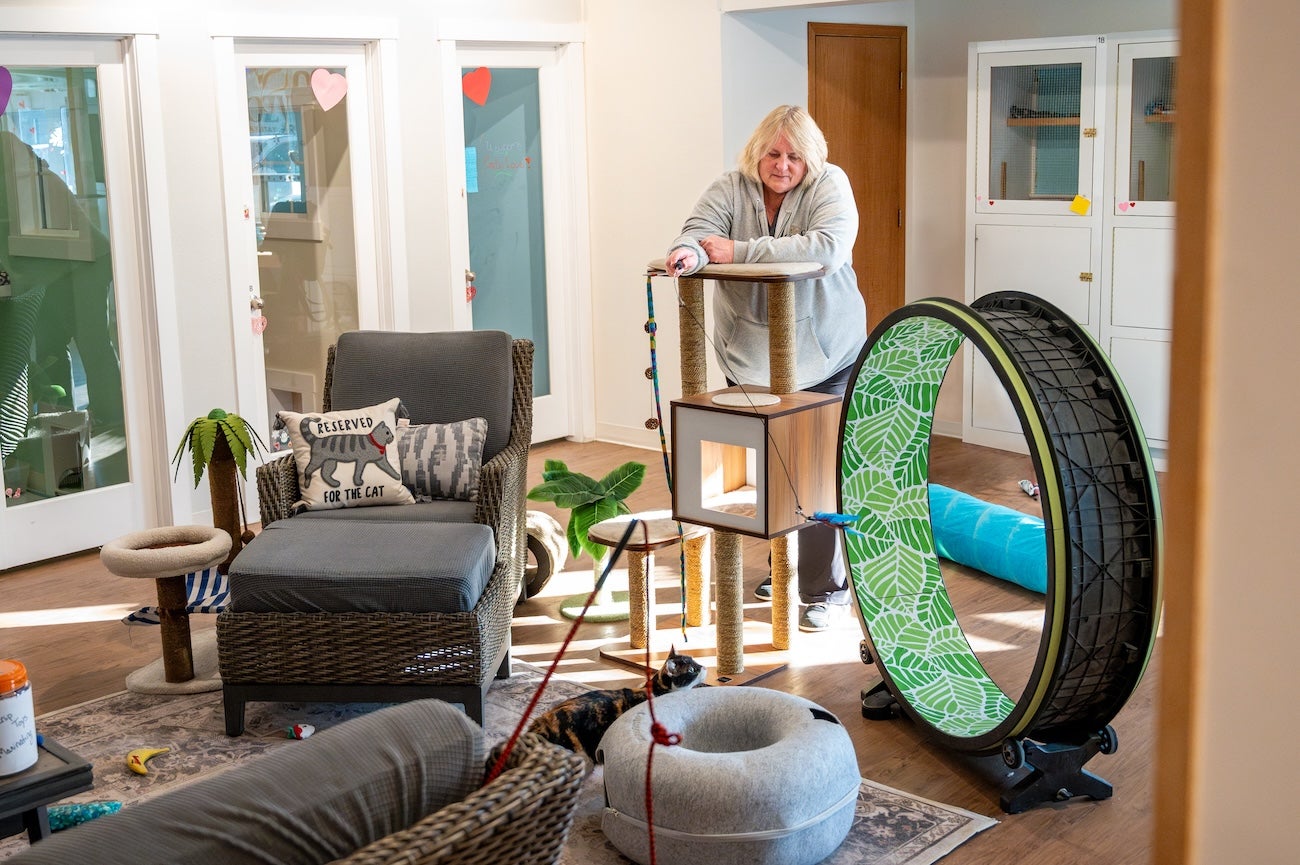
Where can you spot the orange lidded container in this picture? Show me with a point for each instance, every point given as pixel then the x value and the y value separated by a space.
pixel 18 749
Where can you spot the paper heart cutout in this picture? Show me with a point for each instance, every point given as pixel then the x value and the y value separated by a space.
pixel 1123 206
pixel 992 202
pixel 979 199
pixel 476 85
pixel 329 87
pixel 6 88
pixel 259 324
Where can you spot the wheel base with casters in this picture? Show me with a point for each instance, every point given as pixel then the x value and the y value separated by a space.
pixel 1056 774
pixel 878 704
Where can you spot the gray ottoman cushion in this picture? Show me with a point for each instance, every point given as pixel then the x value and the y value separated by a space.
pixel 759 777
pixel 350 566
pixel 307 802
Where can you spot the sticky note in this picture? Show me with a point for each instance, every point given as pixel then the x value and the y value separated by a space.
pixel 1080 205
pixel 471 169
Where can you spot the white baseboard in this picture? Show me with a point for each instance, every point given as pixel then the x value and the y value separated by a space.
pixel 636 437
pixel 948 428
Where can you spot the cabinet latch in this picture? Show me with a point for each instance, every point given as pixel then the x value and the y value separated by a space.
pixel 1090 132
pixel 1085 277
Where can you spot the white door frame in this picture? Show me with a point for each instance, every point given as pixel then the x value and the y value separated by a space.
pixel 374 149
pixel 567 220
pixel 140 239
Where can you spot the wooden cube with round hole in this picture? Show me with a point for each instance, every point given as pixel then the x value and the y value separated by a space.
pixel 745 460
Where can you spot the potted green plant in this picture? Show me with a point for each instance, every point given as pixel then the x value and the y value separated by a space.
pixel 219 443
pixel 589 501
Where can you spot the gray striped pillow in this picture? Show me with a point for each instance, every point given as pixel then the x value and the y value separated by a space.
pixel 442 460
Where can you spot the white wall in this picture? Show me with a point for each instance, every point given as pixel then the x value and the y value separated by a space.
pixel 654 103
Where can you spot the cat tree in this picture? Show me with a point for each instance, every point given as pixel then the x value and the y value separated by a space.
pixel 789 438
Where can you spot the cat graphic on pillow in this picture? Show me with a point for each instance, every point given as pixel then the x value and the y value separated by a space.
pixel 361 449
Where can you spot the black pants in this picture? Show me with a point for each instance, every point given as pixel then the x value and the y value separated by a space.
pixel 823 569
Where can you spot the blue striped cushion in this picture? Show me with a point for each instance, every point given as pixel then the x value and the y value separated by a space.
pixel 206 591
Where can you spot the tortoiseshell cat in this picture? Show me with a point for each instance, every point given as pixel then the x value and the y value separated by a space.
pixel 579 722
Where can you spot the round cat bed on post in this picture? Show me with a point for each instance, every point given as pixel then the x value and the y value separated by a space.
pixel 166 555
pixel 759 777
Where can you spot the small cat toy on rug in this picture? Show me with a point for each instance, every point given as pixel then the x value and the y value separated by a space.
pixel 580 722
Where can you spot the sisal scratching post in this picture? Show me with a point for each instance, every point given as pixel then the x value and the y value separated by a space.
pixel 698 576
pixel 729 565
pixel 781 367
pixel 690 337
pixel 780 337
pixel 639 588
pixel 785 555
pixel 695 374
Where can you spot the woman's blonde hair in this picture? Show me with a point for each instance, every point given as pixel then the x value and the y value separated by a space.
pixel 802 132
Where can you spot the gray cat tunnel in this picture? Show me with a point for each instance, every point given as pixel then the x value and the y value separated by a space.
pixel 1102 533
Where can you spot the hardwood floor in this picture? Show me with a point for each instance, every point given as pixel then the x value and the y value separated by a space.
pixel 61 619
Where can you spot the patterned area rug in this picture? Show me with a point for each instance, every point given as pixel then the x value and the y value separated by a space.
pixel 891 827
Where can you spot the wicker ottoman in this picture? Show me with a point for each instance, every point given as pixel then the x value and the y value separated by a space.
pixel 341 610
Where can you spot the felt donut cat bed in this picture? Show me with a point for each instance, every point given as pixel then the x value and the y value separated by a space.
pixel 759 777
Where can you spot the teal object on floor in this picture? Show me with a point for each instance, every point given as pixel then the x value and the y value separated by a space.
pixel 66 816
pixel 997 540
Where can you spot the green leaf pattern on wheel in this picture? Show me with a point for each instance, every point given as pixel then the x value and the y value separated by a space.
pixel 884 471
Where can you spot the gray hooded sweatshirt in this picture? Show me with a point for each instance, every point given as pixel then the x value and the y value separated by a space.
pixel 818 222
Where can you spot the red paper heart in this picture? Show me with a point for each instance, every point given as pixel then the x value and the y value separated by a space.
pixel 329 87
pixel 6 88
pixel 476 85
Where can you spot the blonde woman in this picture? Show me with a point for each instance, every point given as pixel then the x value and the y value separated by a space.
pixel 785 202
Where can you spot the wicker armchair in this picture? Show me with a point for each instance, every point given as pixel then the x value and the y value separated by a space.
pixel 521 818
pixel 353 656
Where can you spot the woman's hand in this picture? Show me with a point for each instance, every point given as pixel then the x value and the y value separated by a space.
pixel 721 250
pixel 681 260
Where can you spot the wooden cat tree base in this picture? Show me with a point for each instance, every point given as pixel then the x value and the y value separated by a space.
pixel 657 531
pixel 701 643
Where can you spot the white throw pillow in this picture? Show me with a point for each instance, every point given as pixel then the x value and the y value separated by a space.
pixel 346 459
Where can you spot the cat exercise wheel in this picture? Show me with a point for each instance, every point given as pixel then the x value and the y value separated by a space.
pixel 1101 515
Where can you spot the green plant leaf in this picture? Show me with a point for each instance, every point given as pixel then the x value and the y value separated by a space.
pixel 554 469
pixel 622 481
pixel 238 449
pixel 567 492
pixel 571 535
pixel 586 516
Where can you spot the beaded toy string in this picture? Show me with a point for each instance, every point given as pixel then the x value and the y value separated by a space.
pixel 657 423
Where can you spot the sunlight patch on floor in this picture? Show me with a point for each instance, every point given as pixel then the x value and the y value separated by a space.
pixel 65 615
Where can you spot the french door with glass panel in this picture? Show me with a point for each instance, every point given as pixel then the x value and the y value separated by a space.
pixel 515 217
pixel 81 463
pixel 295 125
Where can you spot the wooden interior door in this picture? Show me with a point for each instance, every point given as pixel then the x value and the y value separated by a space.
pixel 857 93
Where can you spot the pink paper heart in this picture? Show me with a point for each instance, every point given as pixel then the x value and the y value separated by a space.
pixel 476 85
pixel 259 325
pixel 1123 206
pixel 329 87
pixel 979 199
pixel 6 88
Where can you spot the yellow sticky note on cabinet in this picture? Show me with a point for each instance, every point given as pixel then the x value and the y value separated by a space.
pixel 1080 205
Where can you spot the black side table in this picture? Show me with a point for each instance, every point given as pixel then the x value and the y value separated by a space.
pixel 57 773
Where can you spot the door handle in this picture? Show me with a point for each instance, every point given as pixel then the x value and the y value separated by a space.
pixel 255 303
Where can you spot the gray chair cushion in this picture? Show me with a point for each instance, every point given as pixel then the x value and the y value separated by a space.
pixel 307 802
pixel 441 377
pixel 362 566
pixel 441 511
